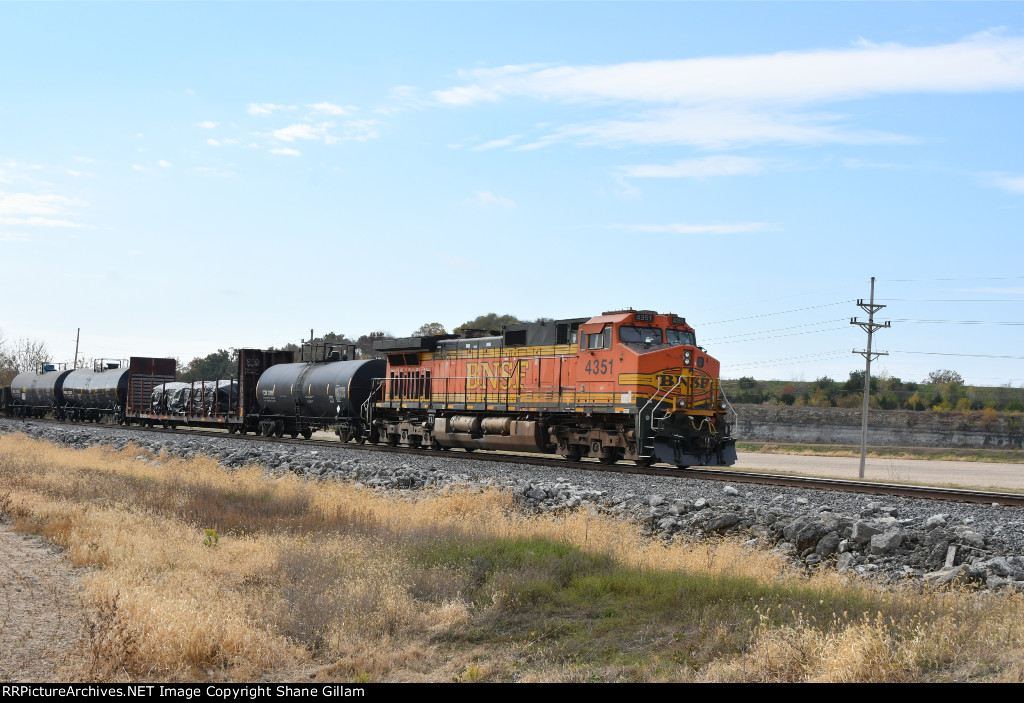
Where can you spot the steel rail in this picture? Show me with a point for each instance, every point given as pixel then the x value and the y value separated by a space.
pixel 788 481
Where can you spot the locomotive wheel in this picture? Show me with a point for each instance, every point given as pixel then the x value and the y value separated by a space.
pixel 470 450
pixel 644 461
pixel 607 459
pixel 573 454
pixel 392 440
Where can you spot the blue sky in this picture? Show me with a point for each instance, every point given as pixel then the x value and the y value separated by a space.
pixel 180 177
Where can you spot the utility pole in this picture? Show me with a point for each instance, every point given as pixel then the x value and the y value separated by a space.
pixel 77 335
pixel 870 326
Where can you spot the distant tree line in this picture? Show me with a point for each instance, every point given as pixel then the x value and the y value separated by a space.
pixel 24 354
pixel 223 363
pixel 942 391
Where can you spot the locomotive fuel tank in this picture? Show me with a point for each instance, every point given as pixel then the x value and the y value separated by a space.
pixel 38 390
pixel 318 389
pixel 100 388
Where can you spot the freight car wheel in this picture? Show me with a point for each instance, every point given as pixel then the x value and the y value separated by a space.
pixel 294 434
pixel 644 461
pixel 307 433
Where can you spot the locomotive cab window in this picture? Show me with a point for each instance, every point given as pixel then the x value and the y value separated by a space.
pixel 600 340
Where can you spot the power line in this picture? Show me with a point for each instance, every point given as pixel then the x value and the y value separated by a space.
pixel 925 280
pixel 962 322
pixel 777 329
pixel 771 314
pixel 979 356
pixel 957 300
pixel 818 356
pixel 777 336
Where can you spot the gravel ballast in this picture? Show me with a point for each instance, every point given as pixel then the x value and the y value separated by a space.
pixel 890 539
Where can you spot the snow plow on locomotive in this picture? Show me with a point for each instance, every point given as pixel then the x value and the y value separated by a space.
pixel 626 384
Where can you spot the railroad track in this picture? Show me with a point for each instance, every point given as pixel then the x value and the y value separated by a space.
pixel 828 484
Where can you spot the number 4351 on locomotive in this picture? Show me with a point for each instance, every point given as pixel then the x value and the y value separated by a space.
pixel 625 385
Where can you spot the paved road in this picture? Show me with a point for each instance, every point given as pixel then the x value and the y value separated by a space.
pixel 966 474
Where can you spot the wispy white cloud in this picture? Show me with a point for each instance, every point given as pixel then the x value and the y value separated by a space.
pixel 699 168
pixel 32 204
pixel 719 102
pixel 286 152
pixel 331 109
pixel 361 130
pixel 1010 184
pixel 163 164
pixel 267 108
pixel 213 142
pixel 302 131
pixel 982 62
pixel 13 237
pixel 720 128
pixel 401 98
pixel 208 125
pixel 39 210
pixel 42 222
pixel 487 198
pixel 498 143
pixel 623 188
pixel 734 228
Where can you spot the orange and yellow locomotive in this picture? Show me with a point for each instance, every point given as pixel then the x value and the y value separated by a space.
pixel 628 384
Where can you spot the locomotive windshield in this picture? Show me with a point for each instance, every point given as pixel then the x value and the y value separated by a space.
pixel 654 335
pixel 640 335
pixel 677 337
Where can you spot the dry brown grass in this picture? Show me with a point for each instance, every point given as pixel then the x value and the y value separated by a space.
pixel 201 573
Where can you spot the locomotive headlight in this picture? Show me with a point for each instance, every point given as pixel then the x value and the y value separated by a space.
pixel 339 410
pixel 686 357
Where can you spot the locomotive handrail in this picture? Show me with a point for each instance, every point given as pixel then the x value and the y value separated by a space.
pixel 641 440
